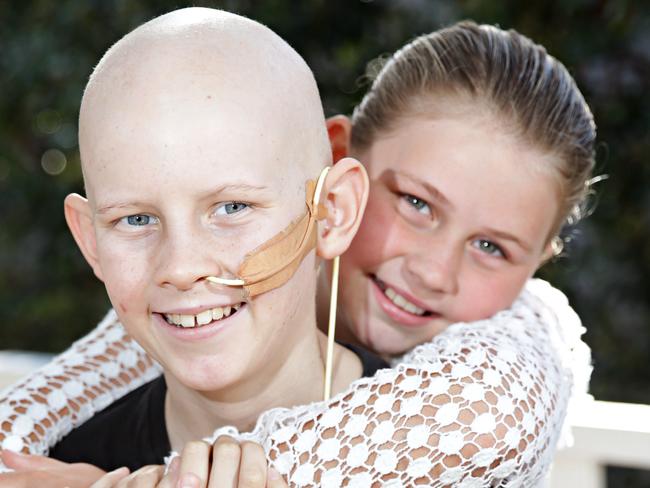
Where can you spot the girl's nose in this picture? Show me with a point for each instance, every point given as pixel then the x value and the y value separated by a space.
pixel 434 267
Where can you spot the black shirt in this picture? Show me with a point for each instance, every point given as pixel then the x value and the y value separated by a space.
pixel 132 431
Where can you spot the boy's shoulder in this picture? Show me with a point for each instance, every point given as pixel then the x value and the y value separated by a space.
pixel 131 432
pixel 370 361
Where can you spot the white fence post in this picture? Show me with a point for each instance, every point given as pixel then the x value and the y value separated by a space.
pixel 606 433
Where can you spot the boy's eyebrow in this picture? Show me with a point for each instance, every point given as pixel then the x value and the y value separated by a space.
pixel 228 187
pixel 234 187
pixel 117 205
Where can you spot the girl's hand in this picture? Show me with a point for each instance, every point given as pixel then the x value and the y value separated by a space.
pixel 31 470
pixel 145 477
pixel 233 465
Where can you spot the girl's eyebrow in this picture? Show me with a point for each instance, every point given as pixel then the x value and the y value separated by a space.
pixel 509 237
pixel 392 175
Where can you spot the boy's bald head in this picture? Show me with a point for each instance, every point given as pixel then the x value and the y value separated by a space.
pixel 227 73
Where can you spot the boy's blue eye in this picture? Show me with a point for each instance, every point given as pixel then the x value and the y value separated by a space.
pixel 488 247
pixel 140 220
pixel 231 208
pixel 417 203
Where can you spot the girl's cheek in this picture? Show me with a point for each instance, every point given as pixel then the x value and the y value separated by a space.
pixel 483 296
pixel 379 228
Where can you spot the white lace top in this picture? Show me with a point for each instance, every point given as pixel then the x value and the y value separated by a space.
pixel 482 404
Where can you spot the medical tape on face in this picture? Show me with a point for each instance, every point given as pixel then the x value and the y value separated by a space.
pixel 274 262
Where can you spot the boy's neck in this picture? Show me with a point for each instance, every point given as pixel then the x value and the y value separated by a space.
pixel 296 379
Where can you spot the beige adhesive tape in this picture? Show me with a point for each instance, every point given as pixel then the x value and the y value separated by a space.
pixel 274 262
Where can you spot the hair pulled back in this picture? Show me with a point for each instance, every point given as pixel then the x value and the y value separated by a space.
pixel 506 72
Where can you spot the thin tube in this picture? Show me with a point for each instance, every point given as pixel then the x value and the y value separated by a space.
pixel 225 281
pixel 331 329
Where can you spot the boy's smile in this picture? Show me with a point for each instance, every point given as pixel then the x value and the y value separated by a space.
pixel 182 182
pixel 186 320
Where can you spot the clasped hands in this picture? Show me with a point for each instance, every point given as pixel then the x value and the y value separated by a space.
pixel 224 464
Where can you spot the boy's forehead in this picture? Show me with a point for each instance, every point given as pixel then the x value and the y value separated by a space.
pixel 226 96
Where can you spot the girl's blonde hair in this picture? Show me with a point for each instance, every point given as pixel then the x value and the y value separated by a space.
pixel 502 70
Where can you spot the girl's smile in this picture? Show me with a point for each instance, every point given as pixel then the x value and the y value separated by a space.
pixel 458 218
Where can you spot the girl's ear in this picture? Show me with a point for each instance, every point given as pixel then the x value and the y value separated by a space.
pixel 339 129
pixel 344 195
pixel 78 215
pixel 552 250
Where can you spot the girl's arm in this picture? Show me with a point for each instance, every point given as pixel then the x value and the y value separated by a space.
pixel 480 404
pixel 484 400
pixel 97 370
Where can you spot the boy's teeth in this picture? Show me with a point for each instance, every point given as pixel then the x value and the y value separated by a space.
pixel 217 313
pixel 187 320
pixel 402 302
pixel 203 318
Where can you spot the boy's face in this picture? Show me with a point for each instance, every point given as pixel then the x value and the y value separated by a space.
pixel 181 186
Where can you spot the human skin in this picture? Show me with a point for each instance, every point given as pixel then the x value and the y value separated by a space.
pixel 458 244
pixel 459 216
pixel 176 192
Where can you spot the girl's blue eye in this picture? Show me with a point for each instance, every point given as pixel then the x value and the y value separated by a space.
pixel 417 203
pixel 231 208
pixel 488 247
pixel 140 220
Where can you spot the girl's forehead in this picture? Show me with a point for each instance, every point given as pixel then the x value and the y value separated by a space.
pixel 492 175
pixel 466 142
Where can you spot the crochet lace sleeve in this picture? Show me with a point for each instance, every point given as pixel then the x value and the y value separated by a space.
pixel 481 401
pixel 482 404
pixel 94 372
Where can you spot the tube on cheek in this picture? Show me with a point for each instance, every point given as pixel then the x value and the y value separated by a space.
pixel 274 262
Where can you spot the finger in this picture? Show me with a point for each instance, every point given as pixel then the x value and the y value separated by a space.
pixel 226 455
pixel 189 480
pixel 170 480
pixel 110 479
pixel 275 479
pixel 26 479
pixel 195 459
pixel 253 466
pixel 73 476
pixel 20 462
pixel 148 477
pixel 145 477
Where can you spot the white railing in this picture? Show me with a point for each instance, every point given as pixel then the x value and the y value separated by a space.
pixel 15 365
pixel 605 433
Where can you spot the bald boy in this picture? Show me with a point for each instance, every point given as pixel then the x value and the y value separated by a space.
pixel 201 134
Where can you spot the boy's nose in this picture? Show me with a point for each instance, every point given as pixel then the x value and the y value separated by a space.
pixel 433 268
pixel 186 260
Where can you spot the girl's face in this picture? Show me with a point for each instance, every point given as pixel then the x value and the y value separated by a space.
pixel 458 218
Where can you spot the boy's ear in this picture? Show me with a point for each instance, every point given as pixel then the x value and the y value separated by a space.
pixel 78 215
pixel 344 195
pixel 339 129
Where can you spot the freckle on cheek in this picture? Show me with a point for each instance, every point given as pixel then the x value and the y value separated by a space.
pixel 122 307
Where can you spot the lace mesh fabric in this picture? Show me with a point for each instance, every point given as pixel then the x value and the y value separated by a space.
pixel 94 372
pixel 482 404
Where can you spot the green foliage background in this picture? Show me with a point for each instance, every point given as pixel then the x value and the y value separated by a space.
pixel 48 296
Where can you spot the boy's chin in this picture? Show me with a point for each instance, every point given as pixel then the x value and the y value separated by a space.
pixel 203 374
